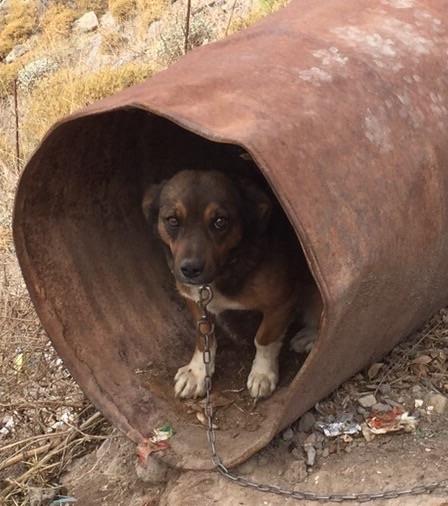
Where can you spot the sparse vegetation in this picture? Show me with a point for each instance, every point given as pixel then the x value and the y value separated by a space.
pixel 64 92
pixel 20 22
pixel 258 12
pixel 150 10
pixel 122 9
pixel 8 74
pixel 112 42
pixel 98 6
pixel 57 20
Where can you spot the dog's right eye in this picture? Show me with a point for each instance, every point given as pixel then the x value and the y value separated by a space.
pixel 172 221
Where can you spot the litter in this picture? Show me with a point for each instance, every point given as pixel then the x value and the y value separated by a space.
pixel 7 425
pixel 391 421
pixel 344 425
pixel 162 433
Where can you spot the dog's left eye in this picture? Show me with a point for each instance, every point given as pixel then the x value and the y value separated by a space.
pixel 220 223
pixel 172 221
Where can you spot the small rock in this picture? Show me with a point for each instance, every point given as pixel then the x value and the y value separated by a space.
pixel 86 23
pixel 385 389
pixel 41 496
pixel 310 455
pixel 16 52
pixel 363 412
pixel 36 70
pixel 301 437
pixel 367 401
pixel 297 453
pixel 306 422
pixel 311 439
pixel 380 407
pixel 296 472
pixel 418 403
pixel 438 401
pixel 288 434
pixel 153 471
pixel 4 5
pixel 325 453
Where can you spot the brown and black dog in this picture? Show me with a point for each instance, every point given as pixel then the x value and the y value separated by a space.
pixel 231 236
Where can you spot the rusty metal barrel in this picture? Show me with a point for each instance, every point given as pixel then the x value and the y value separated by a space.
pixel 343 106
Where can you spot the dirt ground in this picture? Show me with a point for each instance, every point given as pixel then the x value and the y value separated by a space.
pixel 109 476
pixel 412 378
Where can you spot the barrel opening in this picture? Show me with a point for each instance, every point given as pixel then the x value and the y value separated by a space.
pixel 125 330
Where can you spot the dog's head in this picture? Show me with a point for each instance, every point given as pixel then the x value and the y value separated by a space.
pixel 202 217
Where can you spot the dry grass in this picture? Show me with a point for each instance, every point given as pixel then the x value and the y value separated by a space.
pixel 66 91
pixel 150 11
pixel 98 6
pixel 8 74
pixel 57 21
pixel 49 422
pixel 112 42
pixel 122 9
pixel 258 12
pixel 20 22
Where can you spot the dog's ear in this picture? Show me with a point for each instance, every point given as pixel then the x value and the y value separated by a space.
pixel 150 201
pixel 257 205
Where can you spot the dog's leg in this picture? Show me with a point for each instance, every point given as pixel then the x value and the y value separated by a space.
pixel 263 376
pixel 303 341
pixel 190 379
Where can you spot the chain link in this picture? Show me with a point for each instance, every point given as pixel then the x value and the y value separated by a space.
pixel 205 327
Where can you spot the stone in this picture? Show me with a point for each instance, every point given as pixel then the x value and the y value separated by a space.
pixel 155 29
pixel 296 471
pixel 381 407
pixel 86 23
pixel 297 453
pixel 35 70
pixel 153 471
pixel 438 401
pixel 367 401
pixel 16 52
pixel 41 496
pixel 310 455
pixel 306 422
pixel 288 434
pixel 301 437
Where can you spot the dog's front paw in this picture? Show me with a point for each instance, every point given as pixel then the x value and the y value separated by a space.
pixel 189 381
pixel 261 383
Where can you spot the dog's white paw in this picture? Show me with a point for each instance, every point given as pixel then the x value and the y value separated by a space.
pixel 261 383
pixel 303 341
pixel 189 381
pixel 263 377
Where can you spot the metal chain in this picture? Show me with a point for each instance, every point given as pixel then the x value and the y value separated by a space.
pixel 205 327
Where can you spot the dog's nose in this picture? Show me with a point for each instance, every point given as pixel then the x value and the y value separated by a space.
pixel 191 268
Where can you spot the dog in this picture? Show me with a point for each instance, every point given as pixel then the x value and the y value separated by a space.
pixel 228 233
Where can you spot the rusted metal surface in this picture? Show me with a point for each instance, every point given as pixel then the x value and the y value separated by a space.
pixel 344 107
